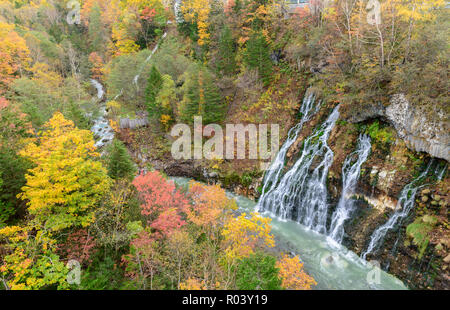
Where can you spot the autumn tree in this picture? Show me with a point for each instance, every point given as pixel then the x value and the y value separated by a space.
pixel 29 263
pixel 415 11
pixel 210 207
pixel 209 210
pixel 153 18
pixel 198 11
pixel 67 183
pixel 163 204
pixel 137 23
pixel 181 249
pixel 144 260
pixel 166 100
pixel 192 284
pixel 80 245
pixel 96 65
pixel 293 275
pixel 14 55
pixel 244 234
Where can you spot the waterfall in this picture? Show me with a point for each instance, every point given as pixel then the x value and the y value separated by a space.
pixel 404 206
pixel 440 174
pixel 137 76
pixel 350 175
pixel 272 175
pixel 302 194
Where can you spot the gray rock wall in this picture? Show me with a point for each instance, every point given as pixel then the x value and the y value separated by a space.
pixel 422 130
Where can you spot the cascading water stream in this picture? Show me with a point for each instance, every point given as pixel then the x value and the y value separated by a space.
pixel 99 88
pixel 137 76
pixel 101 127
pixel 272 175
pixel 404 206
pixel 350 175
pixel 177 11
pixel 301 194
pixel 440 174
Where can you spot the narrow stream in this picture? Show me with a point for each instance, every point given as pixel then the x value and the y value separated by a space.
pixel 103 132
pixel 333 266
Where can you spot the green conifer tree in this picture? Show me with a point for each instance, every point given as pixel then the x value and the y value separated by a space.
pixel 120 164
pixel 257 56
pixel 226 62
pixel 154 85
pixel 201 97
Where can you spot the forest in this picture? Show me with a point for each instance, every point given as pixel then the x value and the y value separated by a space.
pixel 90 91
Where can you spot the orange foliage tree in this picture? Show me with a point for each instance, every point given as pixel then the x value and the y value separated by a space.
pixel 292 275
pixel 210 207
pixel 14 55
pixel 198 11
pixel 97 65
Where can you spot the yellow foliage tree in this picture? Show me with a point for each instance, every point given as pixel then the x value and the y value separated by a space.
pixel 418 9
pixel 292 275
pixel 244 234
pixel 198 11
pixel 123 44
pixel 66 183
pixel 29 265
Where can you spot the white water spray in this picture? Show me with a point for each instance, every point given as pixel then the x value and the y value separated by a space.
pixel 404 206
pixel 301 194
pixel 272 175
pixel 440 174
pixel 350 175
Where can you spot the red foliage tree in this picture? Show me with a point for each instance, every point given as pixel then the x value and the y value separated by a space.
pixel 163 204
pixel 79 246
pixel 148 13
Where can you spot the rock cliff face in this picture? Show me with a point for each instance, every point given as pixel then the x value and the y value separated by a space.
pixel 422 127
pixel 415 125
